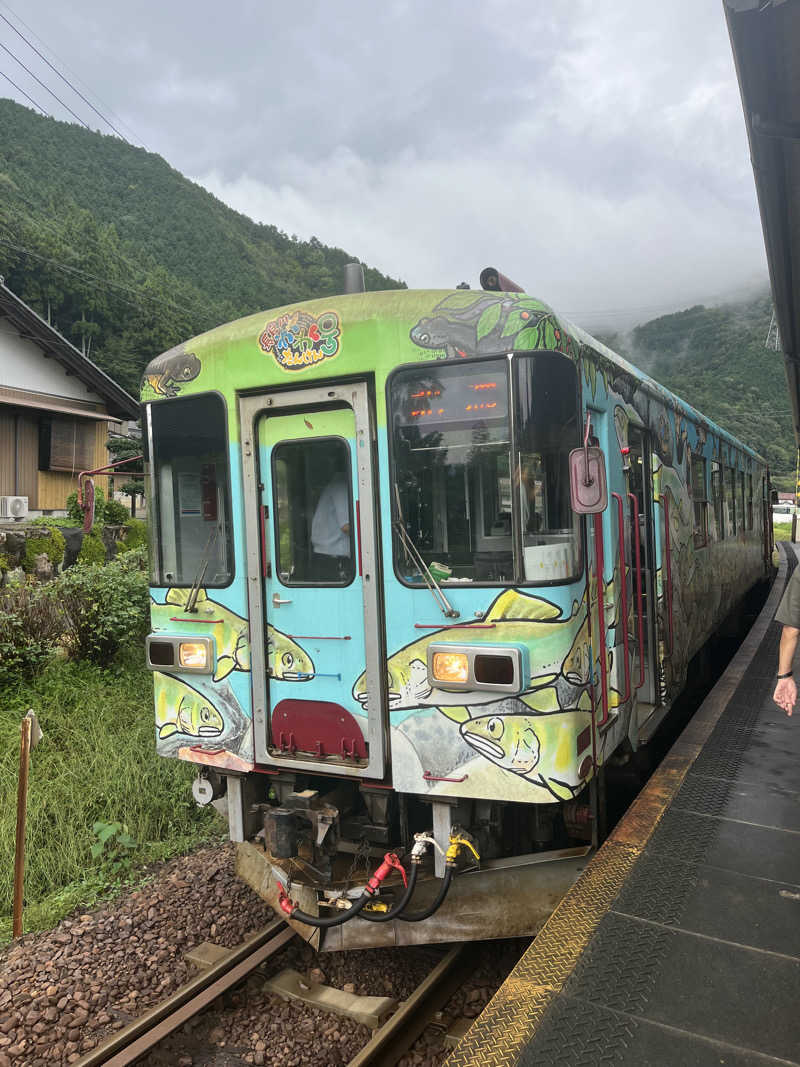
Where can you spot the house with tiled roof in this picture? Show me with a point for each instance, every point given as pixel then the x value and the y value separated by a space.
pixel 56 410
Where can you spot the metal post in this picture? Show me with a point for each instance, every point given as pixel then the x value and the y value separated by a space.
pixel 26 732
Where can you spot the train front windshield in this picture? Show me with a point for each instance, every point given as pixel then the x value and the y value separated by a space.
pixel 460 481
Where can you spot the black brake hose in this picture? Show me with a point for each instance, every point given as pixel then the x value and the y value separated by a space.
pixel 418 916
pixel 394 911
pixel 333 920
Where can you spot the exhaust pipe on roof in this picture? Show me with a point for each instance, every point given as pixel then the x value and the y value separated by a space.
pixel 354 278
pixel 495 282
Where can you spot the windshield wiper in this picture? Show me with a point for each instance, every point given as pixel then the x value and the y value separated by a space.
pixel 412 554
pixel 194 592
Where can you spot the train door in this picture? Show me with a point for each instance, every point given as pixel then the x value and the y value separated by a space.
pixel 645 675
pixel 312 543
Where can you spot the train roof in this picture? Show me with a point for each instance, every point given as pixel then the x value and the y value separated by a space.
pixel 415 324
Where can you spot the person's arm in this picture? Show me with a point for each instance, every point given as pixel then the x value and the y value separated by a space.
pixel 785 695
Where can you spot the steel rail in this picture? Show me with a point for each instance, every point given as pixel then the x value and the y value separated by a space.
pixel 128 1045
pixel 392 1040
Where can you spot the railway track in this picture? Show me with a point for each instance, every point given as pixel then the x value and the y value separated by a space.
pixel 131 1043
pixel 385 1048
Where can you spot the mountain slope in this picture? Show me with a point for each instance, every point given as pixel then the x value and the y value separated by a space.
pixel 167 258
pixel 715 358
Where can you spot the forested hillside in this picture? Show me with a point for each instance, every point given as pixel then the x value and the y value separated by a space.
pixel 126 256
pixel 716 360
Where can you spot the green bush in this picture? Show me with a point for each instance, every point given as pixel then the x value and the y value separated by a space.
pixel 135 536
pixel 105 606
pixel 51 545
pixel 115 513
pixel 92 549
pixel 54 520
pixel 32 624
pixel 74 512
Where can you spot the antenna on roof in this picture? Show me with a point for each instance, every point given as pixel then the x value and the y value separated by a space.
pixel 354 278
pixel 495 282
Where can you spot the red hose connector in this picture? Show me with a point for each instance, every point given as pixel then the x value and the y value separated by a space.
pixel 390 862
pixel 285 902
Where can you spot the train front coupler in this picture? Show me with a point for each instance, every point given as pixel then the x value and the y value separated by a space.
pixel 390 862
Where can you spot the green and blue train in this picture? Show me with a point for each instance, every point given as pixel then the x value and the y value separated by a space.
pixel 382 622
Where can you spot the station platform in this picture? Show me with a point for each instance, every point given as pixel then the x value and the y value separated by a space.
pixel 680 941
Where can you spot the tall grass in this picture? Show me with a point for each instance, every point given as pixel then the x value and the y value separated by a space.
pixel 96 763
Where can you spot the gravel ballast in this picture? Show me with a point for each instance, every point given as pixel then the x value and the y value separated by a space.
pixel 64 991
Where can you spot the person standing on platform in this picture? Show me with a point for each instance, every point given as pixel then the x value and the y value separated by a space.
pixel 785 695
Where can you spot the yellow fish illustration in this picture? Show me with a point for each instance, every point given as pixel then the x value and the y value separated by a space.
pixel 517 618
pixel 285 659
pixel 231 633
pixel 539 748
pixel 183 710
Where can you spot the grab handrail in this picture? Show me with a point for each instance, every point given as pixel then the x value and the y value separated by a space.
pixel 601 613
pixel 664 501
pixel 639 606
pixel 623 579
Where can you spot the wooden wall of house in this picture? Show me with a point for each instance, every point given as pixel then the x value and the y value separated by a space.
pixel 19 454
pixel 55 486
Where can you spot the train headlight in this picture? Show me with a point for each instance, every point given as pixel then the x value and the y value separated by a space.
pixel 450 667
pixel 193 654
pixel 499 668
pixel 176 654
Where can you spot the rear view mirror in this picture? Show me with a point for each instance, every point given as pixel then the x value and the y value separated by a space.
pixel 587 480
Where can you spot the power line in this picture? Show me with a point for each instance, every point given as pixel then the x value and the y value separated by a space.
pixel 19 89
pixel 75 76
pixel 101 282
pixel 39 80
pixel 40 223
pixel 61 76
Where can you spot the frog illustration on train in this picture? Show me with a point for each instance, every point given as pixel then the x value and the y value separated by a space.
pixel 168 372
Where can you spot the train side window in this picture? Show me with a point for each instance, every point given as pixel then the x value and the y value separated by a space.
pixel 718 498
pixel 700 498
pixel 313 512
pixel 730 501
pixel 191 524
pixel 749 501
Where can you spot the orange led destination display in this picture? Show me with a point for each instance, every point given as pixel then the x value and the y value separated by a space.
pixel 462 398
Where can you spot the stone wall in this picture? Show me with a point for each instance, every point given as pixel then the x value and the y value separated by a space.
pixel 14 538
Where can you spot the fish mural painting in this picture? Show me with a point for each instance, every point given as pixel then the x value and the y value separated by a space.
pixel 533 735
pixel 285 658
pixel 204 720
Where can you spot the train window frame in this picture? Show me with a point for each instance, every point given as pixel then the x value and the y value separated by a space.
pixel 578 526
pixel 699 499
pixel 511 359
pixel 750 501
pixel 307 584
pixel 157 578
pixel 425 367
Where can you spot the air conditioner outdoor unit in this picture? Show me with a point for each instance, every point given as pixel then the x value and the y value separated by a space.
pixel 13 507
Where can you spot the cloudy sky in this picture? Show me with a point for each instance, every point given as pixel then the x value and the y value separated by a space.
pixel 596 153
